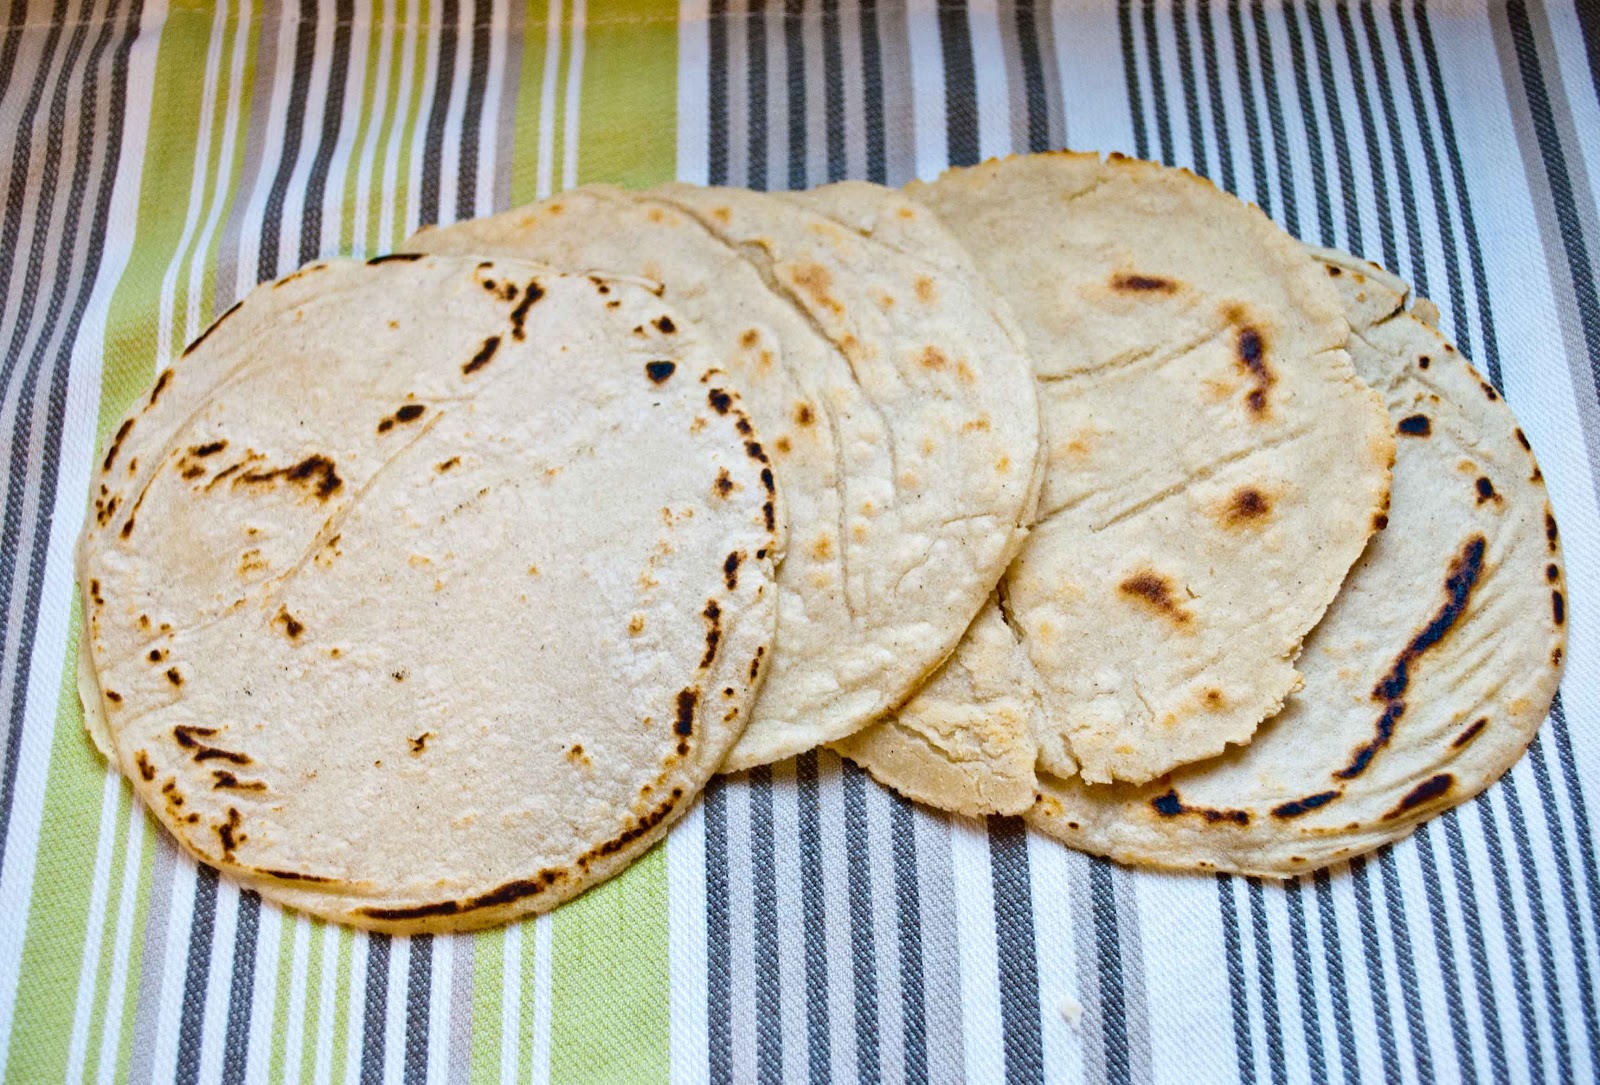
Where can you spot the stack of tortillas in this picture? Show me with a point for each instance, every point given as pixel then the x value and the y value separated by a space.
pixel 425 593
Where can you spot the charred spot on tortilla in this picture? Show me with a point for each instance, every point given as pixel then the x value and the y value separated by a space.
pixel 730 570
pixel 405 257
pixel 665 325
pixel 1486 490
pixel 1558 607
pixel 720 401
pixel 1426 791
pixel 1170 805
pixel 1129 282
pixel 1415 425
pixel 1296 807
pixel 530 295
pixel 481 359
pixel 1472 732
pixel 234 308
pixel 658 372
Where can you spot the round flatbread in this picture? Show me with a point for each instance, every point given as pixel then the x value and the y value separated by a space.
pixel 1432 670
pixel 426 593
pixel 899 412
pixel 1195 391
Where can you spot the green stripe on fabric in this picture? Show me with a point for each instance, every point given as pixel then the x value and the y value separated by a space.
pixel 411 123
pixel 108 933
pixel 370 104
pixel 312 1010
pixel 630 87
pixel 141 914
pixel 288 931
pixel 530 91
pixel 240 109
pixel 488 978
pixel 58 915
pixel 341 1002
pixel 609 982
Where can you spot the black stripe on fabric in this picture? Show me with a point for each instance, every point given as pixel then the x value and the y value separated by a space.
pixel 1472 924
pixel 794 55
pixel 1430 158
pixel 16 190
pixel 1108 972
pixel 15 21
pixel 755 29
pixel 40 268
pixel 191 1023
pixel 1266 976
pixel 472 119
pixel 814 907
pixel 1020 1022
pixel 833 90
pixel 717 92
pixel 1027 16
pixel 1338 992
pixel 439 112
pixel 1406 965
pixel 1313 128
pixel 1158 81
pixel 332 115
pixel 1213 80
pixel 1444 947
pixel 1469 225
pixel 1198 160
pixel 61 363
pixel 1280 139
pixel 1238 991
pixel 872 93
pixel 719 949
pixel 1369 129
pixel 960 86
pixel 1262 195
pixel 21 438
pixel 1377 975
pixel 764 876
pixel 863 951
pixel 908 904
pixel 1538 922
pixel 1585 850
pixel 1305 980
pixel 1130 72
pixel 1402 164
pixel 374 1017
pixel 241 992
pixel 419 984
pixel 1511 929
pixel 1341 144
pixel 1589 24
pixel 305 56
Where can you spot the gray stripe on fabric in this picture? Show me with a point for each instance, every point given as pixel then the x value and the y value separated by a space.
pixel 1290 212
pixel 1130 70
pixel 758 122
pixel 886 934
pixel 10 46
pixel 1305 979
pixel 1300 66
pixel 790 940
pixel 505 121
pixel 1198 159
pixel 899 121
pixel 1333 956
pixel 374 1017
pixel 863 949
pixel 338 76
pixel 1511 931
pixel 1016 952
pixel 908 904
pixel 1368 125
pixel 814 906
pixel 1336 127
pixel 855 121
pixel 254 130
pixel 472 118
pixel 798 109
pixel 419 981
pixel 236 1042
pixel 1244 89
pixel 1483 976
pixel 960 86
pixel 1444 948
pixel 717 76
pixel 746 1019
pixel 1213 81
pixel 768 1003
pixel 1266 979
pixel 1414 267
pixel 305 32
pixel 1156 82
pixel 719 965
pixel 1405 965
pixel 153 961
pixel 1376 972
pixel 191 1023
pixel 1097 947
pixel 1238 985
pixel 445 44
pixel 1539 924
pixel 833 116
pixel 941 955
pixel 739 91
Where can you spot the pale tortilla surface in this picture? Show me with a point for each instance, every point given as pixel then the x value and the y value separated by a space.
pixel 426 593
pixel 1431 672
pixel 891 393
pixel 1195 390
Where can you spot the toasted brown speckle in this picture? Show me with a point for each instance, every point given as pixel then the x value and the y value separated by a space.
pixel 1156 592
pixel 1128 282
pixel 1248 505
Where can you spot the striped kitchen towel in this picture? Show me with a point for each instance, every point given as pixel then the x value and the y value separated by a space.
pixel 802 924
